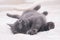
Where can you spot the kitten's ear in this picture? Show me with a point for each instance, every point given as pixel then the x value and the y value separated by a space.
pixel 37 7
pixel 11 25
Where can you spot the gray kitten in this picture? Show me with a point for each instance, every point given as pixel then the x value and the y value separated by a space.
pixel 31 22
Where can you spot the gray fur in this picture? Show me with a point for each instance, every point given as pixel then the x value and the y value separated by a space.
pixel 30 22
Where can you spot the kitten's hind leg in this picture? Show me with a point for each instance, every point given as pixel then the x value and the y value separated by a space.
pixel 46 27
pixel 13 16
pixel 50 25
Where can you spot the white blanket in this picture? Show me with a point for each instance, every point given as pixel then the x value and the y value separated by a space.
pixel 53 15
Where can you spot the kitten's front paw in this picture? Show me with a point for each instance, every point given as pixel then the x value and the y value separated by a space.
pixel 32 31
